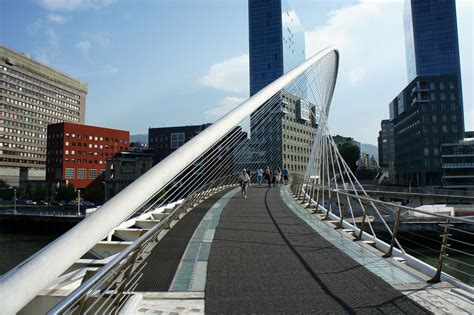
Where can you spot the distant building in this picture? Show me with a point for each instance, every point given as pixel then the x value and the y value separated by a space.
pixel 386 145
pixel 341 139
pixel 276 41
pixel 458 163
pixel 289 136
pixel 165 140
pixel 77 153
pixel 429 110
pixel 125 167
pixel 32 96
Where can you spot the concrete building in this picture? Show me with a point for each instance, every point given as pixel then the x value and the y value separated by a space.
pixel 32 96
pixel 386 145
pixel 457 161
pixel 289 136
pixel 77 154
pixel 165 140
pixel 125 167
pixel 429 110
pixel 276 41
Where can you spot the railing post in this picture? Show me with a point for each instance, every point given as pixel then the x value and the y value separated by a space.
pixel 329 208
pixel 394 234
pixel 317 201
pixel 341 219
pixel 366 208
pixel 442 253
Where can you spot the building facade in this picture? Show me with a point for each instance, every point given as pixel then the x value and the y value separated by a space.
pixel 77 153
pixel 386 145
pixel 286 141
pixel 426 114
pixel 166 140
pixel 32 96
pixel 276 41
pixel 429 110
pixel 125 167
pixel 457 160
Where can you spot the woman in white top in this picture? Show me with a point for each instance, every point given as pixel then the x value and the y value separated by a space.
pixel 244 182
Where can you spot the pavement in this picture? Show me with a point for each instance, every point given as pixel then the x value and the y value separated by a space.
pixel 265 259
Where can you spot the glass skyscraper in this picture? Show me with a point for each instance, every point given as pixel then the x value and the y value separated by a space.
pixel 276 41
pixel 431 38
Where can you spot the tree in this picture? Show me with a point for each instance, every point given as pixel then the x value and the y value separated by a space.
pixel 351 154
pixel 38 192
pixel 95 194
pixel 66 192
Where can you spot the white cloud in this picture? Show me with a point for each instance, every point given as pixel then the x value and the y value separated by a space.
pixel 35 27
pixel 356 74
pixel 56 18
pixel 74 5
pixel 225 105
pixel 230 75
pixel 371 43
pixel 84 46
pixel 49 52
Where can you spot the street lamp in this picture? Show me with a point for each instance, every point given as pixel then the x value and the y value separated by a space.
pixel 78 202
pixel 14 200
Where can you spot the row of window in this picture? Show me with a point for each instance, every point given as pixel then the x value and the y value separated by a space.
pixel 81 173
pixel 36 98
pixel 57 113
pixel 72 97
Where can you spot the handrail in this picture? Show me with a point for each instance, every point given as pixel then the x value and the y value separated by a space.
pixel 79 292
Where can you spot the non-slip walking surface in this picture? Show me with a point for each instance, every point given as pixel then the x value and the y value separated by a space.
pixel 264 259
pixel 164 259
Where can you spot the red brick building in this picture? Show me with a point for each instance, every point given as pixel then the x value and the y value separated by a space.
pixel 77 153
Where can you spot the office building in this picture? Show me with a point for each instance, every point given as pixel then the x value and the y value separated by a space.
pixel 429 110
pixel 457 160
pixel 165 140
pixel 276 41
pixel 77 154
pixel 32 96
pixel 286 141
pixel 125 167
pixel 386 145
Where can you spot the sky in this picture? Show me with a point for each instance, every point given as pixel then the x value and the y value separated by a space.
pixel 154 63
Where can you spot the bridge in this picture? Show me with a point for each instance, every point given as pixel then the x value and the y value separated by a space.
pixel 182 239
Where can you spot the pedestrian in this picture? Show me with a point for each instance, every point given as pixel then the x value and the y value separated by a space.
pixel 285 175
pixel 244 182
pixel 277 176
pixel 268 176
pixel 260 176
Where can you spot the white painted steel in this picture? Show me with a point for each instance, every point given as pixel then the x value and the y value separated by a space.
pixel 23 283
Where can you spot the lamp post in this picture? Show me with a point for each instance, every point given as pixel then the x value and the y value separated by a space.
pixel 78 202
pixel 14 200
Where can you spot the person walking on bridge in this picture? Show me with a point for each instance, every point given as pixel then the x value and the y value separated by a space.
pixel 268 176
pixel 244 182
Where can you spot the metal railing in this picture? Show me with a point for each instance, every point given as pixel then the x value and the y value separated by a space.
pixel 439 245
pixel 109 287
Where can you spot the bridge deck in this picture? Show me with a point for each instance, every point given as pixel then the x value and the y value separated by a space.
pixel 265 259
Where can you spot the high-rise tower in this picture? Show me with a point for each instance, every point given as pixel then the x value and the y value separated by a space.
pixel 276 41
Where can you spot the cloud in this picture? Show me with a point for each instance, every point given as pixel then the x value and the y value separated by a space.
pixel 56 18
pixel 230 75
pixel 84 46
pixel 74 5
pixel 225 105
pixel 35 27
pixel 371 43
pixel 371 74
pixel 356 74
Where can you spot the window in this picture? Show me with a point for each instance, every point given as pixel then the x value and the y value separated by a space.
pixel 81 173
pixel 69 173
pixel 93 173
pixel 177 140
